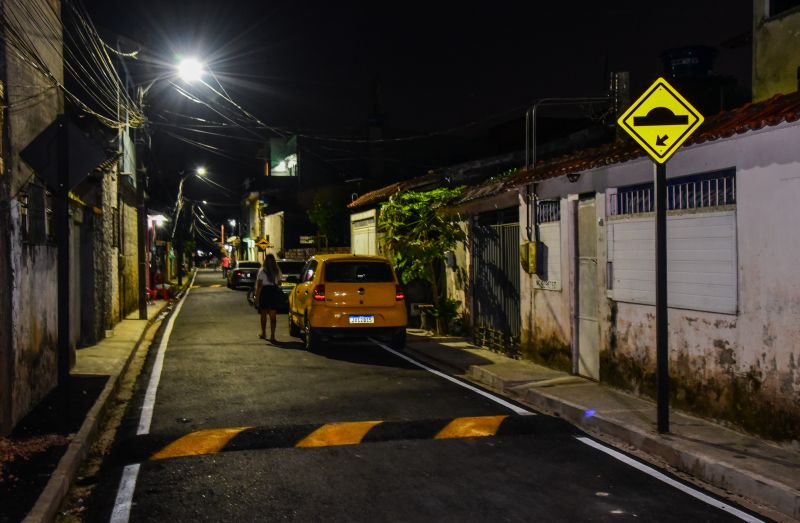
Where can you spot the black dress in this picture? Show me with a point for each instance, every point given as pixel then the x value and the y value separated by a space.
pixel 271 296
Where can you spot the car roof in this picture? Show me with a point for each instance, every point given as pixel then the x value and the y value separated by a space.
pixel 353 257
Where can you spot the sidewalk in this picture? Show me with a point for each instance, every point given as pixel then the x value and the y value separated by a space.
pixel 764 473
pixel 109 358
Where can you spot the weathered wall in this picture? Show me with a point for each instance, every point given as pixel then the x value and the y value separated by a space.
pixel 29 314
pixel 129 267
pixel 546 336
pixel 743 368
pixel 457 278
pixel 109 252
pixel 776 53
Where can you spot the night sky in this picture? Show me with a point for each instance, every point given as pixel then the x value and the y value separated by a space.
pixel 314 67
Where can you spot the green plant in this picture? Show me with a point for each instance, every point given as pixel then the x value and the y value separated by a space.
pixel 446 311
pixel 417 234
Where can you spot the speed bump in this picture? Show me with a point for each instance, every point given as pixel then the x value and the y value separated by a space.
pixel 332 434
pixel 208 441
pixel 473 427
pixel 211 441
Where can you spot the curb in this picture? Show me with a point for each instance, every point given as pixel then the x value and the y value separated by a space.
pixel 726 476
pixel 49 501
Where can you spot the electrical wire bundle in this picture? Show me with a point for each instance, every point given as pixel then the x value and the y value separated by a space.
pixel 34 31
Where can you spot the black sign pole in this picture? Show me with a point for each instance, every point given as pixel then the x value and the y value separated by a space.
pixel 662 336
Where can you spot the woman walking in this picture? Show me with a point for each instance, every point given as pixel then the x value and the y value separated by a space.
pixel 268 295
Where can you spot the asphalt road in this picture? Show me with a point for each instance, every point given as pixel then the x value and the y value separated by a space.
pixel 273 400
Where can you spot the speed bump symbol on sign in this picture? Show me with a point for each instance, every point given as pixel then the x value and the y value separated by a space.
pixel 660 120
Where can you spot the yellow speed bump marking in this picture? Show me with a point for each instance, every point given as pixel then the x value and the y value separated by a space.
pixel 195 286
pixel 208 441
pixel 471 427
pixel 215 285
pixel 347 433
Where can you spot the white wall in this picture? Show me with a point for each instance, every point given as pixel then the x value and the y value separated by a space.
pixel 738 359
pixel 273 227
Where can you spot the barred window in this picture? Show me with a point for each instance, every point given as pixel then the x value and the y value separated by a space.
pixel 49 217
pixel 699 191
pixel 548 211
pixel 24 227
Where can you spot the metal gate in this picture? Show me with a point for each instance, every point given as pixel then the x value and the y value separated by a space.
pixel 496 308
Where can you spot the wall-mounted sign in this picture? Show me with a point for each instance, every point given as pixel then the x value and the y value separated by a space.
pixel 307 240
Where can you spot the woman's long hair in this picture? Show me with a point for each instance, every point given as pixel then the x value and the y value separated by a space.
pixel 271 269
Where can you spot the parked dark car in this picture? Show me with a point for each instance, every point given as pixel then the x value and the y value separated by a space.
pixel 291 271
pixel 243 273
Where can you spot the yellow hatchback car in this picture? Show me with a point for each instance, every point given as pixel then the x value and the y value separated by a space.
pixel 345 296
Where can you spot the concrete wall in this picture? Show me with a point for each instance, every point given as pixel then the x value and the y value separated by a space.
pixel 273 227
pixel 742 367
pixel 129 266
pixel 28 312
pixel 457 278
pixel 545 306
pixel 776 52
pixel 108 252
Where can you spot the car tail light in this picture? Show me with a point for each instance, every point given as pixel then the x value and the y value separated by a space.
pixel 237 273
pixel 319 293
pixel 399 295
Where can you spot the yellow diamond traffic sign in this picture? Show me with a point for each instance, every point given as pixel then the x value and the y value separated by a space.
pixel 262 244
pixel 660 120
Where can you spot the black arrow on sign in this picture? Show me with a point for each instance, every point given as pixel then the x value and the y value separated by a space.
pixel 660 140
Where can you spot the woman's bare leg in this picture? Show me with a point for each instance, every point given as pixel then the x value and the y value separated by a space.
pixel 273 322
pixel 263 313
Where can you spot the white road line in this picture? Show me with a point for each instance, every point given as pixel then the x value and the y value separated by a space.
pixel 122 505
pixel 155 377
pixel 669 481
pixel 496 399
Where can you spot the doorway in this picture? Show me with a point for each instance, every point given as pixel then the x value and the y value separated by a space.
pixel 587 299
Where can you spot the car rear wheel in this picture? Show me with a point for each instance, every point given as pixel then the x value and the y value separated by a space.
pixel 313 341
pixel 398 341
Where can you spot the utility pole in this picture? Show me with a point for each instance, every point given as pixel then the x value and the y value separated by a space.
pixel 141 224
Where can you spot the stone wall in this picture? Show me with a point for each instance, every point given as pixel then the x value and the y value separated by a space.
pixel 129 267
pixel 28 309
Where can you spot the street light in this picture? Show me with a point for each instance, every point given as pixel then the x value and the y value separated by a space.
pixel 190 70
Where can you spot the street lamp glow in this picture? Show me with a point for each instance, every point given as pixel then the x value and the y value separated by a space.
pixel 232 222
pixel 202 171
pixel 205 202
pixel 190 69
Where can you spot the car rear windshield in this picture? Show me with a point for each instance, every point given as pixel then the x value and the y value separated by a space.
pixel 248 265
pixel 291 267
pixel 357 272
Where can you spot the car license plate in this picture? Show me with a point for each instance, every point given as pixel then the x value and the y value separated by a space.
pixel 364 318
